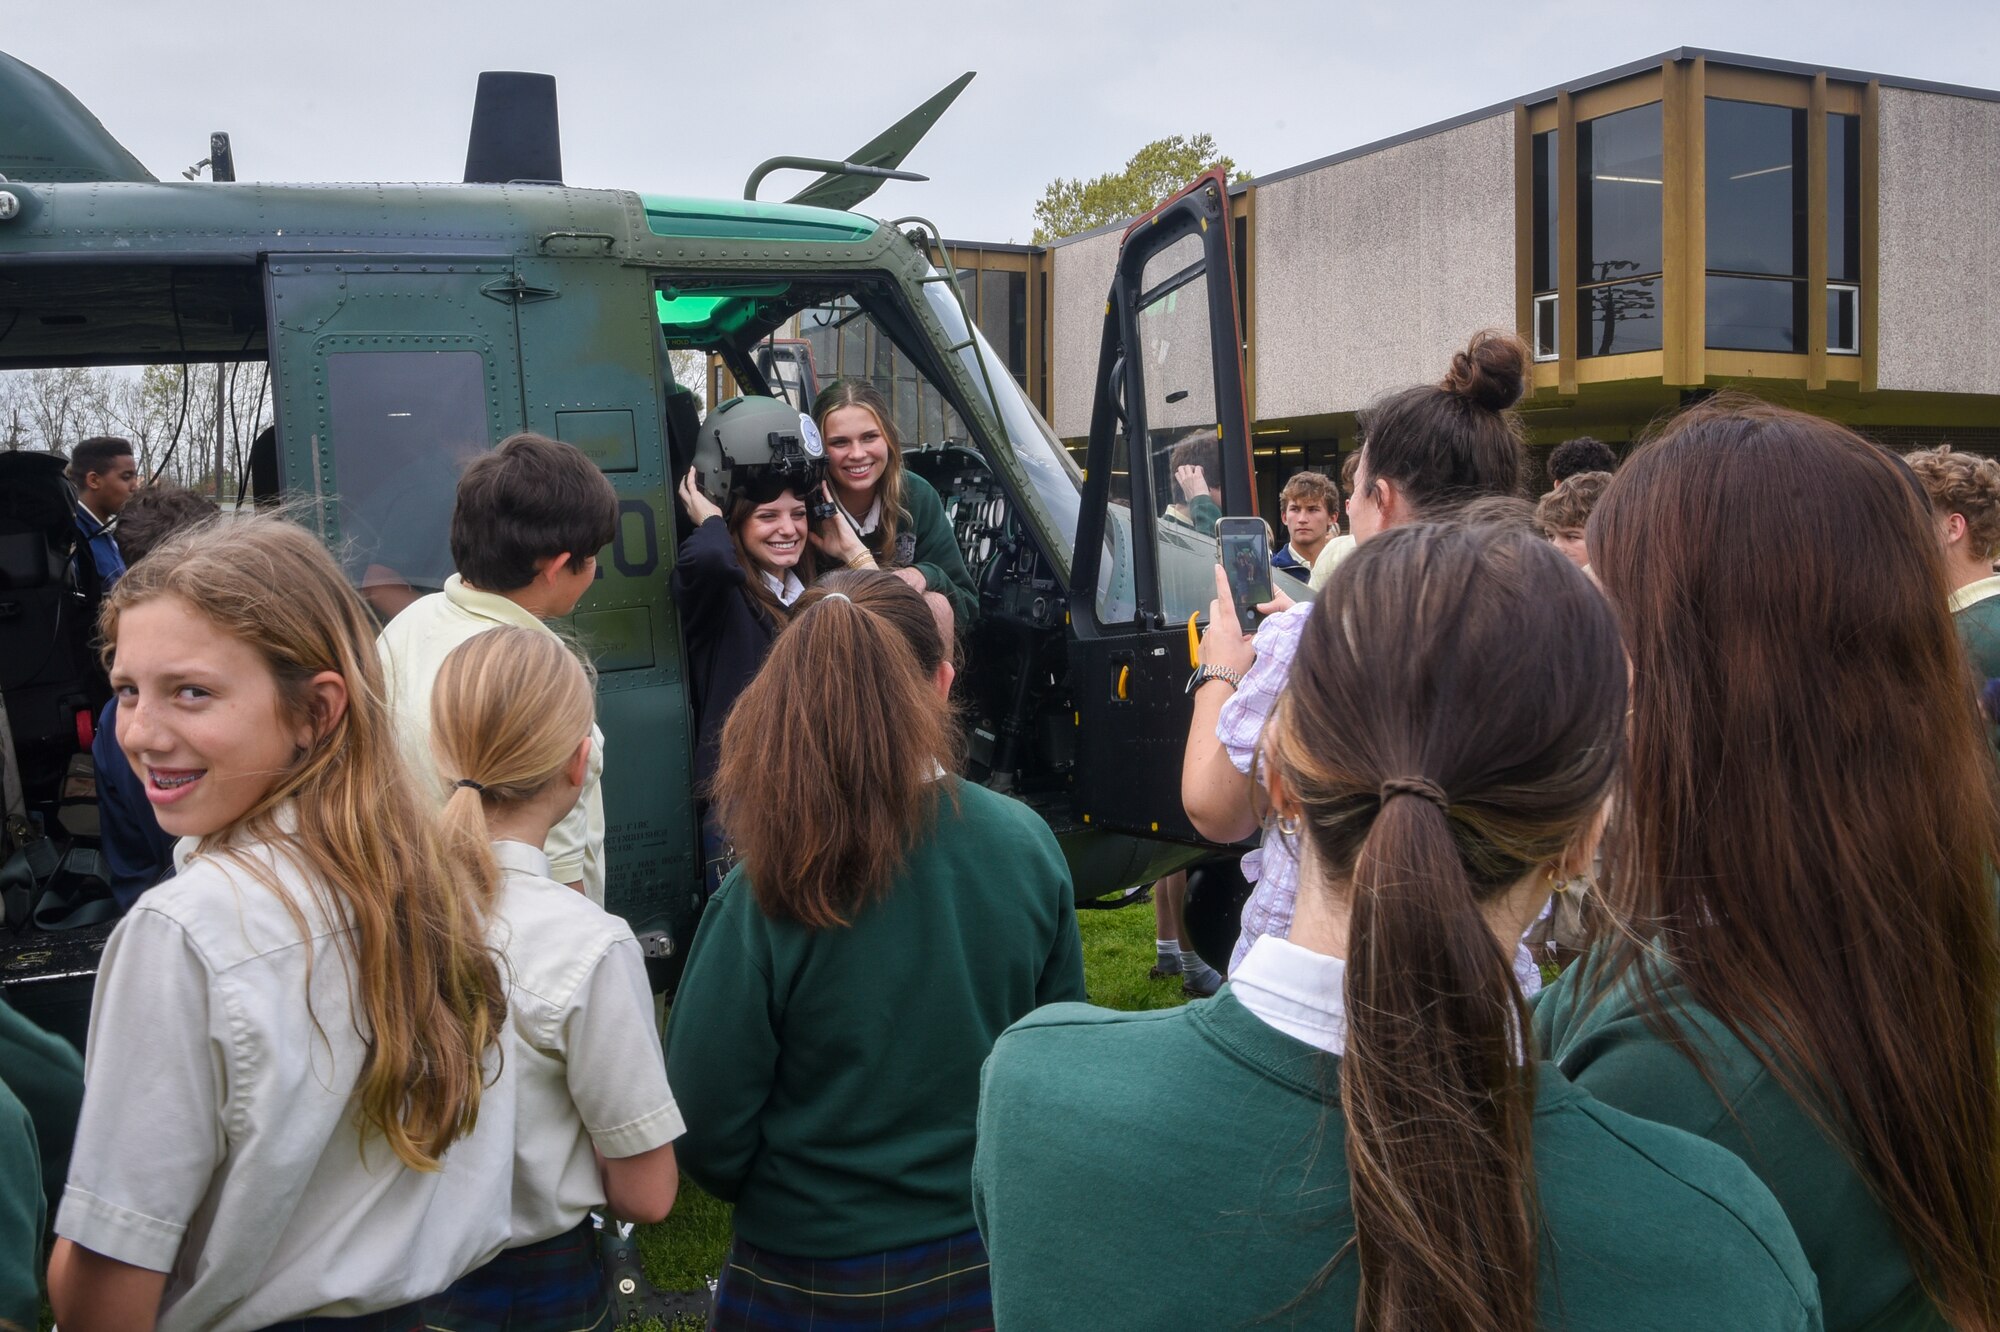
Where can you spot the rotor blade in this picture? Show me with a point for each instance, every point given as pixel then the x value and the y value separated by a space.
pixel 887 149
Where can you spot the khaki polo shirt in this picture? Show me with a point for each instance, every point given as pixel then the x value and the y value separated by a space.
pixel 413 648
pixel 219 1140
pixel 1329 559
pixel 585 1048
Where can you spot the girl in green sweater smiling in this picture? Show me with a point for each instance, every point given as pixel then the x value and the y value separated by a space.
pixel 888 517
pixel 852 972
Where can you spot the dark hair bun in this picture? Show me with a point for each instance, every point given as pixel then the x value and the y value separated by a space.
pixel 1492 371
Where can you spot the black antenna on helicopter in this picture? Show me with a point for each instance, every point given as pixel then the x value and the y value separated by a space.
pixel 846 183
pixel 515 132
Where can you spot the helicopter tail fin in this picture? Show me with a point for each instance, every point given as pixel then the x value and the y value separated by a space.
pixel 515 132
pixel 887 149
pixel 52 136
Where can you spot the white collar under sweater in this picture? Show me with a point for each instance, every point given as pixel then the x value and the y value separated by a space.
pixel 1300 992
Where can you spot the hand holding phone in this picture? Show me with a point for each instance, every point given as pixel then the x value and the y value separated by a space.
pixel 1246 562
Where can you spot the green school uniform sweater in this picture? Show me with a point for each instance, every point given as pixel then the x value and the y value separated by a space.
pixel 41 1093
pixel 1187 1168
pixel 829 1078
pixel 932 546
pixel 1978 625
pixel 1865 1279
pixel 23 1214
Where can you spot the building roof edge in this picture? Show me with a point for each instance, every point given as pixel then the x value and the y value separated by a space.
pixel 1577 85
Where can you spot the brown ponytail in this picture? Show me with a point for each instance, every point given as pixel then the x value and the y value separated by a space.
pixel 1449 728
pixel 830 758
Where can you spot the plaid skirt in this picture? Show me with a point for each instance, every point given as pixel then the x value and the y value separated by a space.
pixel 555 1285
pixel 939 1286
pixel 402 1318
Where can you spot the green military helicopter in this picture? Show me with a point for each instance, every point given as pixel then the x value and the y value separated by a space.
pixel 408 326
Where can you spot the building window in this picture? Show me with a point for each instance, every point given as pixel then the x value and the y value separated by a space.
pixel 1547 210
pixel 1843 318
pixel 1756 201
pixel 1843 233
pixel 1618 230
pixel 1003 318
pixel 1547 328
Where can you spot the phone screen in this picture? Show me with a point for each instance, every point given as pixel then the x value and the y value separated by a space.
pixel 1246 559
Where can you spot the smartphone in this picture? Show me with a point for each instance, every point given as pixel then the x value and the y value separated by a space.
pixel 1246 559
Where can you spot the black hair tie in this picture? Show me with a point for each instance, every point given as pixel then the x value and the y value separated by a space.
pixel 1423 788
pixel 470 785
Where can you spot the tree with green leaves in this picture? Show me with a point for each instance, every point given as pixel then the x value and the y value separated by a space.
pixel 1154 172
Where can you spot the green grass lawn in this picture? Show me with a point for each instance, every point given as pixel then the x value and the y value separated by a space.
pixel 685 1251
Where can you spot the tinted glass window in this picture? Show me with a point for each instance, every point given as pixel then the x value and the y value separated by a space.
pixel 1756 189
pixel 1547 210
pixel 1843 198
pixel 1843 319
pixel 1619 167
pixel 1756 314
pixel 842 335
pixel 404 424
pixel 1624 317
pixel 1003 317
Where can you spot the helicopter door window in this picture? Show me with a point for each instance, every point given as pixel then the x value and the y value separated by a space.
pixel 1183 443
pixel 403 426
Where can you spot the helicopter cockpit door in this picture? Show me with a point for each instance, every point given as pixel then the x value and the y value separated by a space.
pixel 1169 455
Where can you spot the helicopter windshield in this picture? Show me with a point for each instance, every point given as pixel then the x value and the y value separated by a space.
pixel 1057 483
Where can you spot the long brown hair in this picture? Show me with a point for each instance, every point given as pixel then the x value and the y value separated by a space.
pixel 426 991
pixel 1450 724
pixel 859 393
pixel 508 711
pixel 1811 824
pixel 830 759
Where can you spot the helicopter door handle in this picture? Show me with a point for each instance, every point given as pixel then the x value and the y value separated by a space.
pixel 604 238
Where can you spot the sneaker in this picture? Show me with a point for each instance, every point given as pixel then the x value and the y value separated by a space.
pixel 1200 980
pixel 1165 964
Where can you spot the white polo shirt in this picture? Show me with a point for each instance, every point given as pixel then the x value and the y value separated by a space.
pixel 219 1140
pixel 413 647
pixel 586 1051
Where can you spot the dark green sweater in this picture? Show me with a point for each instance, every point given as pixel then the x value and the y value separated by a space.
pixel 1187 1169
pixel 1978 628
pixel 1607 1049
pixel 926 543
pixel 829 1078
pixel 41 1093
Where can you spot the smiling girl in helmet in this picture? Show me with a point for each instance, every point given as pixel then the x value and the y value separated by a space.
pixel 742 564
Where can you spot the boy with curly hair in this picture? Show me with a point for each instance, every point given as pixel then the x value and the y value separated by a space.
pixel 1964 489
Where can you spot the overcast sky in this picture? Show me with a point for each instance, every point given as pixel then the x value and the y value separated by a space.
pixel 686 98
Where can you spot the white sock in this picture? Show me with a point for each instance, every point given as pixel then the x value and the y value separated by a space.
pixel 1168 947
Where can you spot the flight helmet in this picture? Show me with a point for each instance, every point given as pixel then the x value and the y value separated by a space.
pixel 759 446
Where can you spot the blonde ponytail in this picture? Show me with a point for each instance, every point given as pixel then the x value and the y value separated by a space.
pixel 507 712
